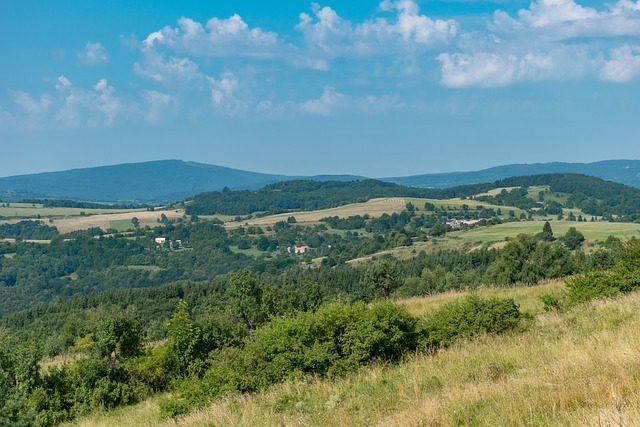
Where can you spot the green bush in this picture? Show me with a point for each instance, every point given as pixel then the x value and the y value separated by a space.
pixel 468 317
pixel 336 339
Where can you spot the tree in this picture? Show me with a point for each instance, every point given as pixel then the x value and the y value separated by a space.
pixel 383 277
pixel 184 336
pixel 245 296
pixel 547 233
pixel 118 338
pixel 572 239
pixel 135 221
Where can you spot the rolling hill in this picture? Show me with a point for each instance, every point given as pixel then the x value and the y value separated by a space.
pixel 622 171
pixel 172 180
pixel 155 181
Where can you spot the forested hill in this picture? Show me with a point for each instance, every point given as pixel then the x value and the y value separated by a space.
pixel 623 171
pixel 614 198
pixel 295 195
pixel 155 181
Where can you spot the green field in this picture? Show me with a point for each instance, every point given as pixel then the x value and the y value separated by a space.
pixel 30 210
pixel 121 224
pixel 591 230
pixel 457 204
pixel 252 251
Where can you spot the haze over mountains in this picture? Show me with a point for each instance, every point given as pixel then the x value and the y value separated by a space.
pixel 172 180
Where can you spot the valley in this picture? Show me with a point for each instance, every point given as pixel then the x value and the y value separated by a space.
pixel 493 260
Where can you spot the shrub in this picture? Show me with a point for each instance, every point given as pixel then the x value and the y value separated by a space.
pixel 468 317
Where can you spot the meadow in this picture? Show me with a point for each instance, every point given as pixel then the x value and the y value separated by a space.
pixel 35 210
pixel 564 369
pixel 598 230
pixel 457 204
pixel 374 208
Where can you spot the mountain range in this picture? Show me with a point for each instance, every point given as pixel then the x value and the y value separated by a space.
pixel 172 180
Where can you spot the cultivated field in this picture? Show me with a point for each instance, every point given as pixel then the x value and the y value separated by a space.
pixel 119 221
pixel 32 210
pixel 374 208
pixel 591 230
pixel 578 368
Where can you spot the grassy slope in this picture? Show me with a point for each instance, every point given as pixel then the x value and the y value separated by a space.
pixel 577 368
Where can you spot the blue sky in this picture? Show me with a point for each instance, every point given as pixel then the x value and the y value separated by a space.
pixel 376 88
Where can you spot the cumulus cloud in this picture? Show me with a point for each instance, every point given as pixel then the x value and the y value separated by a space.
pixel 97 107
pixel 562 19
pixel 217 38
pixel 551 39
pixel 623 65
pixel 228 94
pixel 332 101
pixel 167 70
pixel 499 69
pixel 93 54
pixel 329 101
pixel 332 35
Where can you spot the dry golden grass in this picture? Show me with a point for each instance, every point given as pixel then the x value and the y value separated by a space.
pixel 581 368
pixel 103 221
pixel 527 297
pixel 374 208
pixel 495 191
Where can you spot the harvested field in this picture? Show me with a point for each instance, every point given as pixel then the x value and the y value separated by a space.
pixel 374 208
pixel 103 221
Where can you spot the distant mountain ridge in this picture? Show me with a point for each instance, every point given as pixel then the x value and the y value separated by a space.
pixel 172 180
pixel 622 171
pixel 155 181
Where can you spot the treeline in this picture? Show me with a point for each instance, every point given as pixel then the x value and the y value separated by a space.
pixel 34 230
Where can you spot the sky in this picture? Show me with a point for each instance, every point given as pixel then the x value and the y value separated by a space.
pixel 374 88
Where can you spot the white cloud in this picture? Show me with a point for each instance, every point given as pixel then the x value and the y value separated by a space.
pixel 29 104
pixel 329 101
pixel 499 69
pixel 93 54
pixel 226 94
pixel 217 38
pixel 409 31
pixel 155 67
pixel 563 19
pixel 97 107
pixel 332 101
pixel 491 69
pixel 623 65
pixel 551 39
pixel 157 105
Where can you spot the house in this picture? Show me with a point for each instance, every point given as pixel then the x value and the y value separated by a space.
pixel 161 240
pixel 301 249
pixel 454 223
